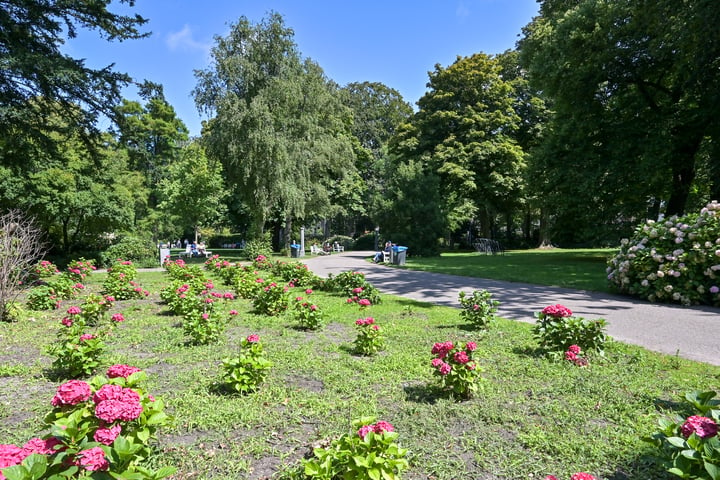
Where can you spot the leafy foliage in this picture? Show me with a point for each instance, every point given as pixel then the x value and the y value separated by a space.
pixel 478 309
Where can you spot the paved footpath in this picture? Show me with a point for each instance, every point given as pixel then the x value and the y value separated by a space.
pixel 690 332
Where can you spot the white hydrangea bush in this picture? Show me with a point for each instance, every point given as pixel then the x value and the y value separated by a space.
pixel 675 260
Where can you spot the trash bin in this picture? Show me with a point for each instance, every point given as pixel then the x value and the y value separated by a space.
pixel 399 255
pixel 295 250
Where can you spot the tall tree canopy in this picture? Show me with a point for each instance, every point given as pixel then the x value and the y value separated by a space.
pixel 32 66
pixel 635 89
pixel 465 132
pixel 279 128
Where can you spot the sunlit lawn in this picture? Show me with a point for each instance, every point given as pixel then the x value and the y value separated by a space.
pixel 581 269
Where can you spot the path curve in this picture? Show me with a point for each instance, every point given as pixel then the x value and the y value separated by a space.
pixel 690 332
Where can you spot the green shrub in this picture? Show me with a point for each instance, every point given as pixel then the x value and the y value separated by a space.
pixel 343 240
pixel 366 241
pixel 42 298
pixel 245 373
pixel 557 329
pixel 478 309
pixel 257 247
pixel 139 251
pixel 676 260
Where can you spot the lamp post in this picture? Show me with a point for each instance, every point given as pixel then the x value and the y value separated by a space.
pixel 377 237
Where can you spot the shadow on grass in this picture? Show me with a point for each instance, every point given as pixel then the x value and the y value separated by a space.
pixel 423 393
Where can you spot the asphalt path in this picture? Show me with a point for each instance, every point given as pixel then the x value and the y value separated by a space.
pixel 689 332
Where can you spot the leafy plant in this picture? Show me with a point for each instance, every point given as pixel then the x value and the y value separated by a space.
pixel 245 373
pixel 258 247
pixel 369 340
pixel 79 269
pixel 556 330
pixel 97 429
pixel 454 364
pixel 42 298
pixel 307 315
pixel 272 299
pixel 131 249
pixel 203 327
pixel 45 269
pixel 478 309
pixel 354 285
pixel 690 447
pixel 371 452
pixel 120 281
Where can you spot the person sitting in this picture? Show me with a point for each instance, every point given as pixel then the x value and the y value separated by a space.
pixel 194 249
pixel 201 248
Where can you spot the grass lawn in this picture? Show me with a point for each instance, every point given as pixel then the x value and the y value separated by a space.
pixel 532 417
pixel 583 269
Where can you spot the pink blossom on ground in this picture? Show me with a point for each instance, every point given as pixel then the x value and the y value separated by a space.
pixel 254 338
pixel 71 393
pixel 121 370
pixel 93 460
pixel 702 426
pixel 582 476
pixel 309 291
pixel 118 317
pixel 106 435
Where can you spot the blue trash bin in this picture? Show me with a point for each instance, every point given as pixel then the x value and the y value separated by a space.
pixel 399 254
pixel 294 250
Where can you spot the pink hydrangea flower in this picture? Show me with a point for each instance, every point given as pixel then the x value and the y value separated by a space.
pixel 364 302
pixel 71 393
pixel 570 356
pixel 67 322
pixel 228 295
pixel 436 362
pixel 106 435
pixel 86 336
pixel 233 312
pixel 551 477
pixel 93 460
pixel 309 291
pixel 10 455
pixel 73 310
pixel 702 426
pixel 444 369
pixel 357 290
pixel 574 349
pixel 113 402
pixel 364 430
pixel 118 317
pixel 471 346
pixel 121 370
pixel 383 426
pixel 461 357
pixel 254 338
pixel 557 311
pixel 582 476
pixel 40 446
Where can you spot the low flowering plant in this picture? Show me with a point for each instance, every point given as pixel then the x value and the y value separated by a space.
pixel 455 366
pixel 369 452
pixel 94 309
pixel 244 373
pixel 45 269
pixel 353 285
pixel 103 428
pixel 307 315
pixel 42 298
pixel 478 309
pixel 120 282
pixel 79 269
pixel 556 329
pixel 690 447
pixel 272 299
pixel 261 262
pixel 369 339
pixel 203 327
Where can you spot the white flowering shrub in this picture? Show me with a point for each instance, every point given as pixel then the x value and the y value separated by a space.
pixel 674 260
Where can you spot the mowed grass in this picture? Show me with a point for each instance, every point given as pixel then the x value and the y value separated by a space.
pixel 582 269
pixel 532 417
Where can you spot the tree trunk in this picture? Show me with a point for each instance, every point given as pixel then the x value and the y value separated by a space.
pixel 687 140
pixel 286 233
pixel 545 241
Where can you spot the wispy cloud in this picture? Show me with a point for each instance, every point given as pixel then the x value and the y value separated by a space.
pixel 462 11
pixel 184 41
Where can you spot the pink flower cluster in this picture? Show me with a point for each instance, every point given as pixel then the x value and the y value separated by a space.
pixel 369 321
pixel 121 370
pixel 461 357
pixel 377 428
pixel 11 455
pixel 71 393
pixel 557 311
pixel 254 338
pixel 573 355
pixel 93 460
pixel 703 427
pixel 113 402
pixel 575 476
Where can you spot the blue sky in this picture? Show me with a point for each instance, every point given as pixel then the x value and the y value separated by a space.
pixel 393 42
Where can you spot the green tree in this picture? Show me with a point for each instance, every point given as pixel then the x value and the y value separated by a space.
pixel 410 213
pixel 31 33
pixel 194 190
pixel 279 128
pixel 634 105
pixel 465 131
